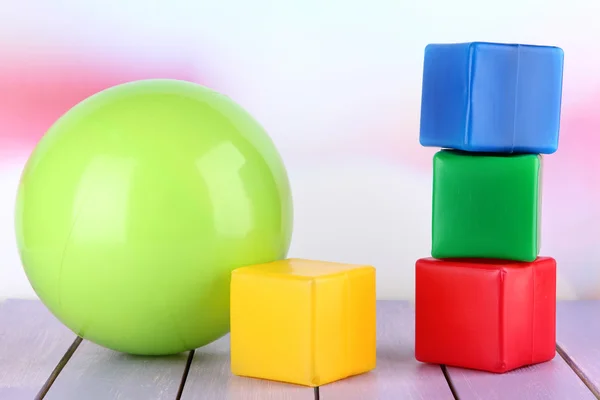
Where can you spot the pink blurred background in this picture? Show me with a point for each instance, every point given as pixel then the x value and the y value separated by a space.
pixel 336 84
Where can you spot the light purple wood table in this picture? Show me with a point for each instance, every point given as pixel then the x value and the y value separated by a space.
pixel 40 358
pixel 578 331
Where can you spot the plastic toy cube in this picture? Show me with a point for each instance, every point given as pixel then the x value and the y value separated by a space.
pixel 486 206
pixel 492 97
pixel 488 315
pixel 302 321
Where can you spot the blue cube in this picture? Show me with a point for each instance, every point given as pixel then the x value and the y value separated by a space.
pixel 491 97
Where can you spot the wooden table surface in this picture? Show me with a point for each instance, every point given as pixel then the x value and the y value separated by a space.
pixel 40 358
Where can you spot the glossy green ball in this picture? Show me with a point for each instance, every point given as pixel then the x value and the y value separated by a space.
pixel 136 206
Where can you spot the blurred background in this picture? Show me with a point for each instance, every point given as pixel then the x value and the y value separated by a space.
pixel 336 84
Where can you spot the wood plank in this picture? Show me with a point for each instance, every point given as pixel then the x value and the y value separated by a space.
pixel 578 338
pixel 210 378
pixel 96 373
pixel 551 380
pixel 397 375
pixel 32 342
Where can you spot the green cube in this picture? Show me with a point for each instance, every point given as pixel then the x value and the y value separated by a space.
pixel 486 206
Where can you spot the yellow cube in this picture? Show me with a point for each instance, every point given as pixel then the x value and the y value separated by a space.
pixel 302 321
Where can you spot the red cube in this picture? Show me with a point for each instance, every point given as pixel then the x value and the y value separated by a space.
pixel 490 315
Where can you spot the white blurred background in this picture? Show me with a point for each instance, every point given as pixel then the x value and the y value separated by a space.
pixel 337 85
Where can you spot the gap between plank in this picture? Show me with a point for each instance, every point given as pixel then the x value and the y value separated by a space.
pixel 59 367
pixel 449 381
pixel 578 371
pixel 186 372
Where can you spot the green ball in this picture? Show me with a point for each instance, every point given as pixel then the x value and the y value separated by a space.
pixel 138 203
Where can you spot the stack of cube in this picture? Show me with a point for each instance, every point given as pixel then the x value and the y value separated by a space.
pixel 486 299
